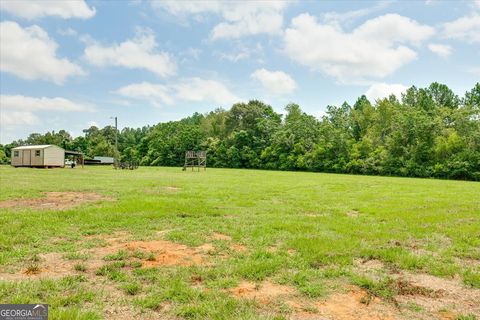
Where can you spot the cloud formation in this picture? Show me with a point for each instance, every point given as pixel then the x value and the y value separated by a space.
pixel 29 53
pixel 275 82
pixel 440 49
pixel 20 109
pixel 191 90
pixel 373 50
pixel 466 28
pixel 65 9
pixel 139 52
pixel 384 90
pixel 239 19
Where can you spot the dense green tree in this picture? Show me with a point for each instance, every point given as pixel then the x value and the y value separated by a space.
pixel 429 132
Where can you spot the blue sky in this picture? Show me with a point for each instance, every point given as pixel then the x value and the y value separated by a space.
pixel 72 64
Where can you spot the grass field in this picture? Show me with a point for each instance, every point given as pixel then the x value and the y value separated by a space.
pixel 238 244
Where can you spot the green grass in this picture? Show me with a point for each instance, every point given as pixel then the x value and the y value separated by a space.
pixel 423 226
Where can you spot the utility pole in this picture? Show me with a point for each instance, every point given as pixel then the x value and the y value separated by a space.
pixel 116 142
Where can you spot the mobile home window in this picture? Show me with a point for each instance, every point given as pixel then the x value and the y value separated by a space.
pixel 15 153
pixel 37 153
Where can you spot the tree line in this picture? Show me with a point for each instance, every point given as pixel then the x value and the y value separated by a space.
pixel 428 132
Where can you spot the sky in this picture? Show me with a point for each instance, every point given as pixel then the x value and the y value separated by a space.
pixel 73 64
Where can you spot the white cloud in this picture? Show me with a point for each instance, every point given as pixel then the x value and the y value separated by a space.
pixel 384 90
pixel 240 19
pixel 191 53
pixel 275 82
pixel 157 94
pixel 67 32
pixel 20 102
pixel 137 53
pixel 440 49
pixel 65 9
pixel 20 110
pixel 241 52
pixel 237 55
pixel 341 18
pixel 30 54
pixel 192 89
pixel 375 49
pixel 466 28
pixel 196 89
pixel 18 118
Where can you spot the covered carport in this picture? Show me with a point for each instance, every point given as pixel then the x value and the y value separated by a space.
pixel 78 157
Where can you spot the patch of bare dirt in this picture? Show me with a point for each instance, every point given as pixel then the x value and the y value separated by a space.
pixel 371 268
pixel 118 306
pixel 263 292
pixel 433 294
pixel 291 252
pixel 436 294
pixel 167 253
pixel 163 189
pixel 238 247
pixel 353 213
pixel 351 305
pixel 207 248
pixel 438 299
pixel 370 265
pixel 157 253
pixel 312 214
pixel 51 265
pixel 55 200
pixel 116 237
pixel 468 262
pixel 220 236
pixel 342 306
pixel 223 237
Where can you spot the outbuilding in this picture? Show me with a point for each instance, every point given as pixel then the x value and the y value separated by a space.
pixel 47 155
pixel 104 160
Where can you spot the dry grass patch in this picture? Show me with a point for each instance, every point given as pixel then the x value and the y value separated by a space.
pixel 163 189
pixel 150 254
pixel 436 294
pixel 263 292
pixel 55 201
pixel 221 236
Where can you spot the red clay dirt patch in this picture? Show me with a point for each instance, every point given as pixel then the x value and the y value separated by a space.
pixel 158 253
pixel 342 306
pixel 54 200
pixel 263 292
pixel 350 306
pixel 168 253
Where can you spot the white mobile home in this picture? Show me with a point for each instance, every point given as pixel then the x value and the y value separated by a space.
pixel 38 156
pixel 104 160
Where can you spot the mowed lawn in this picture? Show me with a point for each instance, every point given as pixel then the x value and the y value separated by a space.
pixel 239 244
